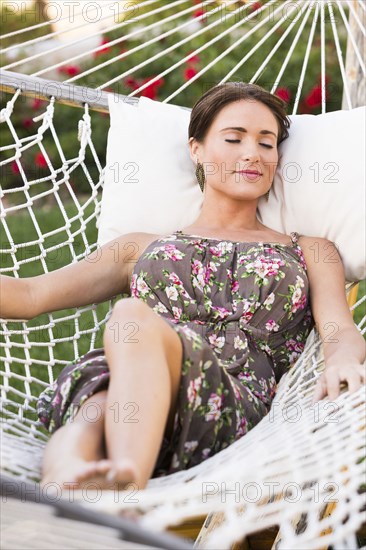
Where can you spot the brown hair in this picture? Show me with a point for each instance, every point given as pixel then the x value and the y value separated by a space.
pixel 209 105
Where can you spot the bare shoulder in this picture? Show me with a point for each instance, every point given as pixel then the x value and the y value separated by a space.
pixel 142 240
pixel 319 250
pixel 324 263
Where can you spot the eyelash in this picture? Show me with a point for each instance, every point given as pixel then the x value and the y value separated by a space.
pixel 238 141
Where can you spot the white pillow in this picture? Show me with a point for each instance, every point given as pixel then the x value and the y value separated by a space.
pixel 150 182
pixel 319 185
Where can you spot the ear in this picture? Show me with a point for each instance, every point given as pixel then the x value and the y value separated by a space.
pixel 195 148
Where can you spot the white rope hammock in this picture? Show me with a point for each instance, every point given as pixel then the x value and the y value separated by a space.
pixel 307 459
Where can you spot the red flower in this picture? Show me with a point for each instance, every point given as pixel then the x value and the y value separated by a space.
pixel 284 94
pixel 189 73
pixel 256 6
pixel 70 70
pixel 103 50
pixel 198 13
pixel 27 122
pixel 193 58
pixel 132 83
pixel 314 97
pixel 15 167
pixel 37 103
pixel 151 90
pixel 40 160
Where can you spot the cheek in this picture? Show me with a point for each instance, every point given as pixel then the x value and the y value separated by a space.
pixel 271 160
pixel 218 158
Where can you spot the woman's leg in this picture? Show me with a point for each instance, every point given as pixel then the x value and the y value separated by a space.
pixel 144 356
pixel 77 449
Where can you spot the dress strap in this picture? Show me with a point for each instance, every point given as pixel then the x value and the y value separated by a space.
pixel 294 237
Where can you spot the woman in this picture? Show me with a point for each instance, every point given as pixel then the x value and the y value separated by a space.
pixel 224 309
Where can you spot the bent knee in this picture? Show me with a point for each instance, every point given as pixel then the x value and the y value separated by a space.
pixel 129 317
pixel 131 309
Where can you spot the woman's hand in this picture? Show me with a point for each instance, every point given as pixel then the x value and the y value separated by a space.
pixel 330 380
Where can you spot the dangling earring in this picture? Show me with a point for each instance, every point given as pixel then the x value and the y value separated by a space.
pixel 200 175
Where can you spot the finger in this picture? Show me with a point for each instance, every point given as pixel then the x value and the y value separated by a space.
pixel 353 381
pixel 332 382
pixel 320 391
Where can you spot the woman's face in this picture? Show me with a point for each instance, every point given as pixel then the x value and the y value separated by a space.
pixel 243 136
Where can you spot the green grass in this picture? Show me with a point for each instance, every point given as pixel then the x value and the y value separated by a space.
pixel 22 230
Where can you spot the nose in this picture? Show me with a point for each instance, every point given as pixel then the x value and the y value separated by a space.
pixel 249 160
pixel 250 152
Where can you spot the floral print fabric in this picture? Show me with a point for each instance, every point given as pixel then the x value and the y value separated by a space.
pixel 242 312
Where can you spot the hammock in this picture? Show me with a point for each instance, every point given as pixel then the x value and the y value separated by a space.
pixel 309 461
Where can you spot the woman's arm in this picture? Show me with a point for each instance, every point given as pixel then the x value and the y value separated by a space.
pixel 344 346
pixel 101 275
pixel 15 298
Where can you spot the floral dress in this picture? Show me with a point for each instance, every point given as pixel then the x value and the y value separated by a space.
pixel 242 312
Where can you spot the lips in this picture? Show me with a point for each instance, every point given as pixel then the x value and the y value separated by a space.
pixel 253 172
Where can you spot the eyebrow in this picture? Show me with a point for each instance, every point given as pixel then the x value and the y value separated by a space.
pixel 240 129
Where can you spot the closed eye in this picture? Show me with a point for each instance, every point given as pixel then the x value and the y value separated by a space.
pixel 238 141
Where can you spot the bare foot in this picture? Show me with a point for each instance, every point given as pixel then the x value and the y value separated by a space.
pixel 123 473
pixel 97 475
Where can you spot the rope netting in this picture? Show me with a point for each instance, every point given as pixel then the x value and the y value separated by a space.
pixel 306 458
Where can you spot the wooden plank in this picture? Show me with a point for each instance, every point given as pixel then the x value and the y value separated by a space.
pixel 299 524
pixel 212 522
pixel 189 528
pixel 241 545
pixel 263 540
pixel 355 78
pixel 68 94
pixel 326 512
pixel 258 540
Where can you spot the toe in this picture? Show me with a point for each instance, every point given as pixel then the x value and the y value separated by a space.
pixel 124 473
pixel 103 466
pixel 87 470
